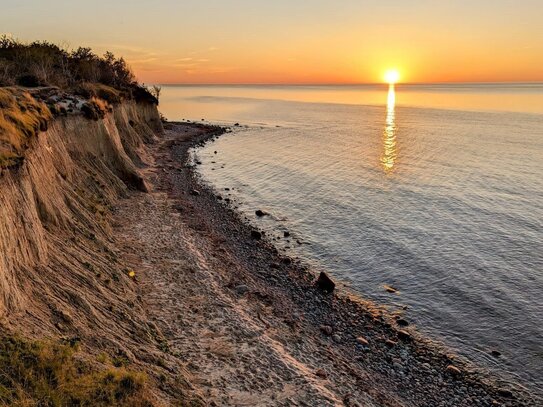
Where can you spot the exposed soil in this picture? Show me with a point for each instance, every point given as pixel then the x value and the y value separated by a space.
pixel 251 327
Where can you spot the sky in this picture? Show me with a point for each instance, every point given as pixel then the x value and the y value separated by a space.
pixel 295 41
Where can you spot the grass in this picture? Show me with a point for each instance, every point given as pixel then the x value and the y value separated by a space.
pixel 101 91
pixel 35 373
pixel 21 118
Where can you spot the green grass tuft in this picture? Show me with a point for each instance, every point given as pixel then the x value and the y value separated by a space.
pixel 35 373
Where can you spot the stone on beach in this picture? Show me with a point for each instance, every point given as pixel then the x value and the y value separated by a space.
pixel 321 373
pixel 402 322
pixel 362 341
pixel 404 335
pixel 390 289
pixel 256 235
pixel 325 283
pixel 241 289
pixel 326 329
pixel 453 370
pixel 260 213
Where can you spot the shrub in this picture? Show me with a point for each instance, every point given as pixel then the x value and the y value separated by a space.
pixel 42 63
pixel 29 81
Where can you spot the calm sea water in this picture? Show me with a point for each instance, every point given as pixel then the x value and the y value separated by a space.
pixel 435 190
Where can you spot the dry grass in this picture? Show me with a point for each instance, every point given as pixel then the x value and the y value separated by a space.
pixel 21 118
pixel 101 91
pixel 48 374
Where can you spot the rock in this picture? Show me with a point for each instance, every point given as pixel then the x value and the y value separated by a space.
pixel 275 266
pixel 260 213
pixel 195 192
pixel 495 353
pixel 325 283
pixel 321 373
pixel 453 370
pixel 402 322
pixel 286 260
pixel 390 289
pixel 286 233
pixel 326 329
pixel 256 235
pixel 505 393
pixel 336 338
pixel 390 343
pixel 404 335
pixel 241 289
pixel 362 341
pixel 236 124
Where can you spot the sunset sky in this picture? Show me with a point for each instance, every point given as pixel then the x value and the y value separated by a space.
pixel 290 41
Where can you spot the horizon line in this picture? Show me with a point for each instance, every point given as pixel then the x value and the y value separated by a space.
pixel 349 83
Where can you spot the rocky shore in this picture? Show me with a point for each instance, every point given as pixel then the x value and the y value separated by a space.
pixel 253 327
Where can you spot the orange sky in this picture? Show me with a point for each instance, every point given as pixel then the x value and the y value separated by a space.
pixel 312 41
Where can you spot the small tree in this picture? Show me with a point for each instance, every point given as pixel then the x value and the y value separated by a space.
pixel 155 91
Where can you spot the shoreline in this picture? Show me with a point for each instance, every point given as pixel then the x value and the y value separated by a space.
pixel 366 355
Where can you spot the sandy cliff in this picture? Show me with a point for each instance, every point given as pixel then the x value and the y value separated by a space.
pixel 60 276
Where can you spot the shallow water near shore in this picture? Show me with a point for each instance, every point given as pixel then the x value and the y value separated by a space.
pixel 436 191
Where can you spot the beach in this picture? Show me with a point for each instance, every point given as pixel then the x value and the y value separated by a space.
pixel 251 327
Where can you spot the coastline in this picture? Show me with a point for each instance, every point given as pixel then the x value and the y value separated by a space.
pixel 343 350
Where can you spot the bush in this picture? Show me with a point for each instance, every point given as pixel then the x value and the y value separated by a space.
pixel 29 81
pixel 42 63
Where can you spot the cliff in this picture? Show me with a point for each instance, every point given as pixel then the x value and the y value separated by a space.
pixel 60 276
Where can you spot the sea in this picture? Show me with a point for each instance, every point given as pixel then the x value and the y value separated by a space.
pixel 434 190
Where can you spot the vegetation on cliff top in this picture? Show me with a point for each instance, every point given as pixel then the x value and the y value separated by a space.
pixel 38 72
pixel 21 118
pixel 42 63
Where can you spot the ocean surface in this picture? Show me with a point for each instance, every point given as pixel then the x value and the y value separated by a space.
pixel 435 190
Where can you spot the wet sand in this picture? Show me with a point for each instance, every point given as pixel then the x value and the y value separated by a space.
pixel 250 326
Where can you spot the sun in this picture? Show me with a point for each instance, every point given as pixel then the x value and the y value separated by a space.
pixel 392 76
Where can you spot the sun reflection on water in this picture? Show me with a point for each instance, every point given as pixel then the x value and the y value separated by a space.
pixel 389 157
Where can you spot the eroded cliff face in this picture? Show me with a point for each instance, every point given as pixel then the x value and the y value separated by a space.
pixel 53 208
pixel 60 276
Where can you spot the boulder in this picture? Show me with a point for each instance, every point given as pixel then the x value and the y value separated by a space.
pixel 453 370
pixel 404 335
pixel 325 283
pixel 402 322
pixel 326 329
